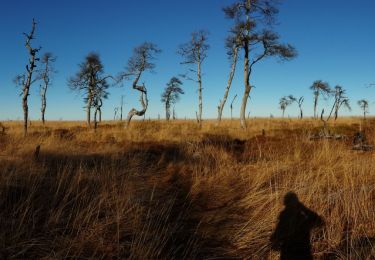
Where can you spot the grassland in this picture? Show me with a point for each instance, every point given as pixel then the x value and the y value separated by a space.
pixel 172 191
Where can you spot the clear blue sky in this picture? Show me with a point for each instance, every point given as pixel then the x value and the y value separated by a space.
pixel 335 40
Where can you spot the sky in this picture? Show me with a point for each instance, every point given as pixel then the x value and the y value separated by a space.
pixel 335 41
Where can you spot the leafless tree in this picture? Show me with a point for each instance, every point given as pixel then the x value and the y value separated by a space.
pixel 231 107
pixel 194 52
pixel 341 100
pixel 251 19
pixel 232 47
pixel 299 103
pixel 90 80
pixel 284 103
pixel 115 113
pixel 171 95
pixel 338 100
pixel 26 80
pixel 319 87
pixel 141 61
pixel 45 75
pixel 363 104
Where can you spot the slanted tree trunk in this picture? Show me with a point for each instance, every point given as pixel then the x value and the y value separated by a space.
pixel 247 86
pixel 220 108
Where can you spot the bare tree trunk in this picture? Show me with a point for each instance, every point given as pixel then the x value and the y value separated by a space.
pixel 122 103
pixel 25 110
pixel 247 87
pixel 144 102
pixel 29 81
pixel 88 111
pixel 231 113
pixel 100 114
pixel 95 121
pixel 167 110
pixel 200 93
pixel 231 75
pixel 315 106
pixel 44 104
pixel 283 112
pixel 337 109
pixel 301 112
pixel 44 88
pixel 142 99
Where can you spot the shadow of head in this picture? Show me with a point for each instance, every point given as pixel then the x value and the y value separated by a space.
pixel 291 200
pixel 292 234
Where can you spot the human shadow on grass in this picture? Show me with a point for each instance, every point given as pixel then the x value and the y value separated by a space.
pixel 292 234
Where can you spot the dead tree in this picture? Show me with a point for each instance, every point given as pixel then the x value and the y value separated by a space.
pixel 115 113
pixel 232 47
pixel 341 100
pixel 194 52
pixel 257 42
pixel 45 75
pixel 299 103
pixel 319 87
pixel 363 104
pixel 231 107
pixel 171 95
pixel 26 80
pixel 284 103
pixel 89 80
pixel 140 62
pixel 325 133
pixel 121 106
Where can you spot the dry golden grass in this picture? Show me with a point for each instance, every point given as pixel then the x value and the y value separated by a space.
pixel 172 190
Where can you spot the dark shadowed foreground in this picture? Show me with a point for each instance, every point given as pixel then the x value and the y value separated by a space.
pixel 175 191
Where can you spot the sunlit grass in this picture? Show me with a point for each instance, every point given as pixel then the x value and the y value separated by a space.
pixel 173 190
